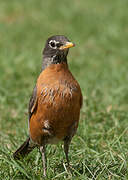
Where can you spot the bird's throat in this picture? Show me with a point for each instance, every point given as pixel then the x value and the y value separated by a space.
pixel 56 59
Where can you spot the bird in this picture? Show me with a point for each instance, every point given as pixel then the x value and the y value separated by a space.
pixel 54 107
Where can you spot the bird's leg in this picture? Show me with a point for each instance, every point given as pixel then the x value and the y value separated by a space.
pixel 67 142
pixel 44 160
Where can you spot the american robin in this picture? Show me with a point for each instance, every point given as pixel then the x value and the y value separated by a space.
pixel 54 106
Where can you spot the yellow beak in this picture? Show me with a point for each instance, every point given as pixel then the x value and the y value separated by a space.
pixel 67 45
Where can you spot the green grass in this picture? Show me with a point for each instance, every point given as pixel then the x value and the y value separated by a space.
pixel 100 64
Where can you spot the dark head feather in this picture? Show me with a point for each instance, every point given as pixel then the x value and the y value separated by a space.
pixel 56 50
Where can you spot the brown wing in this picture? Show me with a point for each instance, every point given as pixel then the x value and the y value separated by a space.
pixel 32 102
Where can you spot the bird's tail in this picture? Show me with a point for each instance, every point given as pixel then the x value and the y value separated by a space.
pixel 24 149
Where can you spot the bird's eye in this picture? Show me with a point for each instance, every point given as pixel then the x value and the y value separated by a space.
pixel 52 44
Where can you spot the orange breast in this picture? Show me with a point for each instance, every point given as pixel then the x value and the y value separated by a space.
pixel 59 101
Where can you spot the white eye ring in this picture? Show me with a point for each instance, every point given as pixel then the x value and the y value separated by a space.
pixel 52 44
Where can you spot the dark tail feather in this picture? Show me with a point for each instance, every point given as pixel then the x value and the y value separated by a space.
pixel 24 149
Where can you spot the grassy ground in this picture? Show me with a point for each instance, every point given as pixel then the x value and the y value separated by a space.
pixel 100 64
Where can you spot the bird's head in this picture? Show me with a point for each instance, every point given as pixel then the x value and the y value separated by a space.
pixel 56 50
